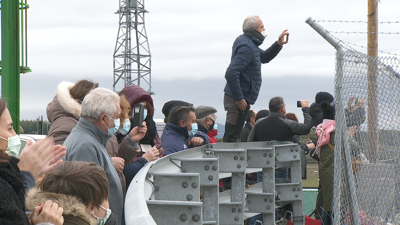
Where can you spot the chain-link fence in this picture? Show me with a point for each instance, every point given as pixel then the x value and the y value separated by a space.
pixel 366 183
pixel 367 139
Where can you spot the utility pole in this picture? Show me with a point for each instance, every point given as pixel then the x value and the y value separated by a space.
pixel 132 58
pixel 373 121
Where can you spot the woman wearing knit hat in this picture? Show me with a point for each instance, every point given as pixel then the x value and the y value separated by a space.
pixel 151 142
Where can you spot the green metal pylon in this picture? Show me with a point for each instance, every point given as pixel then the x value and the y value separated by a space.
pixel 10 55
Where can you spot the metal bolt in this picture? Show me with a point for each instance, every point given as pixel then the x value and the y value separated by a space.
pixel 196 217
pixel 156 188
pixel 237 218
pixel 235 158
pixel 214 168
pixel 265 199
pixel 265 154
pixel 239 166
pixel 207 167
pixel 291 150
pixel 293 189
pixel 297 149
pixel 248 157
pixel 194 185
pixel 268 207
pixel 268 162
pixel 190 208
pixel 183 217
pixel 298 189
pixel 271 200
pixel 233 210
pixel 210 177
pixel 189 197
pixel 183 171
pixel 241 157
pixel 295 156
pixel 296 195
pixel 240 210
pixel 185 185
pixel 270 154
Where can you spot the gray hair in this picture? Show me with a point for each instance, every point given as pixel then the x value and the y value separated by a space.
pixel 201 120
pixel 179 113
pixel 275 104
pixel 99 101
pixel 251 22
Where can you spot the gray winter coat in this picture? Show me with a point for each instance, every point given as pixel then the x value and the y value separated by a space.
pixel 87 143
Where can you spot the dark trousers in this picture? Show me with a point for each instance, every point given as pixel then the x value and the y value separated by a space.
pixel 235 119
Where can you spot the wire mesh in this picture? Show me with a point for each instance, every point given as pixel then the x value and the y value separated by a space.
pixel 367 140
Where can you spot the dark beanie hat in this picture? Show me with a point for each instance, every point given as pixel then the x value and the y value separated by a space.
pixel 328 110
pixel 323 96
pixel 171 104
pixel 262 113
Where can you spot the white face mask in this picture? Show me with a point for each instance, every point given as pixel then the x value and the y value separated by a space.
pixel 13 146
pixel 102 221
pixel 264 33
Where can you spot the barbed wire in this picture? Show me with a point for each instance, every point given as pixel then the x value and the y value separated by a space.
pixel 359 32
pixel 348 45
pixel 347 21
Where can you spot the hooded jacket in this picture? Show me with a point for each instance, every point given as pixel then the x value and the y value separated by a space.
pixel 75 212
pixel 63 112
pixel 243 75
pixel 135 94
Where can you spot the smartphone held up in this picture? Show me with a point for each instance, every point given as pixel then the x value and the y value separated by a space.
pixel 138 111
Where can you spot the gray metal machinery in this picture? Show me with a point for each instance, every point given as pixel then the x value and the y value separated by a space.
pixel 132 58
pixel 182 188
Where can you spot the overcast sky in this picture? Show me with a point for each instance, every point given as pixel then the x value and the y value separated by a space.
pixel 190 43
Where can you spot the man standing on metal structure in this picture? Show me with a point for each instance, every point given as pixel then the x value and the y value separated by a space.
pixel 243 76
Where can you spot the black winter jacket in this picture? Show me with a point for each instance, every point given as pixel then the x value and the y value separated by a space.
pixel 12 196
pixel 277 127
pixel 243 75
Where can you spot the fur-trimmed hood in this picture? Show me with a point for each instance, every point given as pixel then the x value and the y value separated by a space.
pixel 63 104
pixel 72 205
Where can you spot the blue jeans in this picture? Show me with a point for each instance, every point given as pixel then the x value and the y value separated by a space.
pixel 253 220
pixel 327 218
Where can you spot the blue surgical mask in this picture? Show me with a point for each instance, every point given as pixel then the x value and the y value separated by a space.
pixel 144 114
pixel 112 130
pixel 216 126
pixel 102 221
pixel 194 128
pixel 334 103
pixel 126 126
pixel 13 146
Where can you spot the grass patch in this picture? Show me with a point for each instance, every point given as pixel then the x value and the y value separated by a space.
pixel 312 176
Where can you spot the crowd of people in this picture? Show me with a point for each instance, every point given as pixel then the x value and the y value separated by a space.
pixel 80 173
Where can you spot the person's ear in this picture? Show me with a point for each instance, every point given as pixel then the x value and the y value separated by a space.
pixel 253 119
pixel 103 118
pixel 182 123
pixel 90 208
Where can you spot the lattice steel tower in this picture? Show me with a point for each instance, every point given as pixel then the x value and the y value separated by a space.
pixel 132 58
